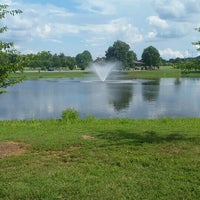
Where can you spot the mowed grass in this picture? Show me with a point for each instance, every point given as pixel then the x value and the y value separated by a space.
pixel 163 72
pixel 52 74
pixel 102 159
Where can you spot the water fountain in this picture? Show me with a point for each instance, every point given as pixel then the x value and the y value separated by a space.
pixel 103 69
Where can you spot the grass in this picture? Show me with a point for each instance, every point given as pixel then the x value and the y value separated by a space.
pixel 163 72
pixel 53 74
pixel 102 159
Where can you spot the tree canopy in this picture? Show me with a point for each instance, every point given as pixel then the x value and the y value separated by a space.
pixel 83 59
pixel 151 56
pixel 120 51
pixel 9 57
pixel 190 65
pixel 44 60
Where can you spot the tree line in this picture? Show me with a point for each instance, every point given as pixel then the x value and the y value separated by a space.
pixel 45 60
pixel 118 52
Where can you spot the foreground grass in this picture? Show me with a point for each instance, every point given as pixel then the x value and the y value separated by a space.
pixel 102 159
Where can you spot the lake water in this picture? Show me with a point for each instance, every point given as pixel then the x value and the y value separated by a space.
pixel 47 98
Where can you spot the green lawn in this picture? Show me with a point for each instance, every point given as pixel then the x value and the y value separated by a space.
pixel 53 74
pixel 163 72
pixel 102 159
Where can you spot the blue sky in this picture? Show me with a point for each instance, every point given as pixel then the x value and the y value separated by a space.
pixel 72 26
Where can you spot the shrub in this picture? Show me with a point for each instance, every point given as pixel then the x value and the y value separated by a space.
pixel 70 115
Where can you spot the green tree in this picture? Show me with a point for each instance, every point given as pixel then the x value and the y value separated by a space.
pixel 83 59
pixel 41 60
pixel 44 59
pixel 151 56
pixel 197 61
pixel 120 52
pixel 62 59
pixel 56 61
pixel 9 59
pixel 197 43
pixel 131 58
pixel 70 62
pixel 188 66
pixel 29 61
pixel 100 59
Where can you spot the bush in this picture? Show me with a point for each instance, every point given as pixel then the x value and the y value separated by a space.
pixel 70 115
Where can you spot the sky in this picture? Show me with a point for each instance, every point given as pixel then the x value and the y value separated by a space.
pixel 72 26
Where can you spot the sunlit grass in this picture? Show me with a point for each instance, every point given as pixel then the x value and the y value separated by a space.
pixel 42 74
pixel 102 159
pixel 163 72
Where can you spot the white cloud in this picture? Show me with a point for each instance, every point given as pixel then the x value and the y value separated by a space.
pixel 38 22
pixel 157 22
pixel 97 24
pixel 99 7
pixel 53 23
pixel 170 53
pixel 151 35
pixel 192 6
pixel 179 10
pixel 7 2
pixel 169 8
pixel 177 30
pixel 59 12
pixel 118 29
pixel 176 18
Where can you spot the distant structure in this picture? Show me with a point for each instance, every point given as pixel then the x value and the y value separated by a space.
pixel 139 65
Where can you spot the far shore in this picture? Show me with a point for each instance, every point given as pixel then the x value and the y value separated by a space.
pixel 162 72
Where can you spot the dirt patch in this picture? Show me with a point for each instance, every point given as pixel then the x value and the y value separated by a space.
pixel 73 148
pixel 12 148
pixel 88 137
pixel 66 153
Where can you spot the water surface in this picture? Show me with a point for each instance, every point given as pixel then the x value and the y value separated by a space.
pixel 47 98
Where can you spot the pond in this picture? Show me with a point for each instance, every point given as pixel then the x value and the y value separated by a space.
pixel 47 98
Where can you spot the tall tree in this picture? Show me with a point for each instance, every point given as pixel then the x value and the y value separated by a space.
pixel 83 59
pixel 120 51
pixel 7 65
pixel 70 62
pixel 56 61
pixel 151 56
pixel 131 58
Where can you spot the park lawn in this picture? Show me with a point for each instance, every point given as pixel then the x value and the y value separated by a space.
pixel 52 74
pixel 102 159
pixel 163 72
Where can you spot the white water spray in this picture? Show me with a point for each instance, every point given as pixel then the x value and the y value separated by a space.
pixel 103 70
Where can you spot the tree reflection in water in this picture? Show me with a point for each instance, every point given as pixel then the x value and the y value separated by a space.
pixel 120 95
pixel 150 90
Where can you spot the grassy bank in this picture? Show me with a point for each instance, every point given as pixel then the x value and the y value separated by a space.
pixel 163 72
pixel 53 74
pixel 102 159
